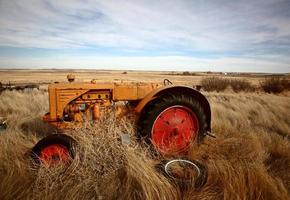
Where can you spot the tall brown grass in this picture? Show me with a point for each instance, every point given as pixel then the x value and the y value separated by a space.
pixel 220 84
pixel 214 84
pixel 249 159
pixel 275 84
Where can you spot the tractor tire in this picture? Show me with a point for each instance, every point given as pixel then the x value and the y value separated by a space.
pixel 54 149
pixel 172 122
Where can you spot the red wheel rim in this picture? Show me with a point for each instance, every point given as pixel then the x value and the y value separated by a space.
pixel 54 154
pixel 174 129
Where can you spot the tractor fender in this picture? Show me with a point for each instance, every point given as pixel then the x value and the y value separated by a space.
pixel 177 89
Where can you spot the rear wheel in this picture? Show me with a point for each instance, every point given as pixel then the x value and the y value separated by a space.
pixel 54 150
pixel 172 122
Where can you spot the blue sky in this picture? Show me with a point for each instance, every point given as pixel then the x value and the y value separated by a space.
pixel 191 35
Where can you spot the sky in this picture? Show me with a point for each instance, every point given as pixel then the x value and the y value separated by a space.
pixel 171 35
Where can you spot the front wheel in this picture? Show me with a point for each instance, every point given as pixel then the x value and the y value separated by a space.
pixel 54 150
pixel 172 122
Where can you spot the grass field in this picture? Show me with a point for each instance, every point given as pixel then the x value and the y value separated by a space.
pixel 50 76
pixel 249 159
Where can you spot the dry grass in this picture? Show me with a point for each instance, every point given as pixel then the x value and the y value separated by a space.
pixel 51 76
pixel 275 84
pixel 249 159
pixel 214 84
pixel 220 84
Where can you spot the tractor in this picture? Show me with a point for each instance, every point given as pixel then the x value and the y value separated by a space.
pixel 169 117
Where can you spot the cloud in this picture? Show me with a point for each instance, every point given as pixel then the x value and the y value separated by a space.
pixel 242 29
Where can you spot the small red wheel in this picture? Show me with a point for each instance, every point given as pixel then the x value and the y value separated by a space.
pixel 174 129
pixel 54 154
pixel 54 150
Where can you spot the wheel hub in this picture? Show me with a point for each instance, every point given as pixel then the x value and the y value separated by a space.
pixel 54 154
pixel 174 129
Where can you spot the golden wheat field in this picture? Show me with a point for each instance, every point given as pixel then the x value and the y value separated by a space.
pixel 248 159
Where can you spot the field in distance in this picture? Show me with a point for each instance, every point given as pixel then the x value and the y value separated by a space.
pixel 184 78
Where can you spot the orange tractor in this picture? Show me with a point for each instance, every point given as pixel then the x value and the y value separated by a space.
pixel 170 117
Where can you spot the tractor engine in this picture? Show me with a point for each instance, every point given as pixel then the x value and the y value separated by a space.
pixel 88 106
pixel 74 102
